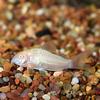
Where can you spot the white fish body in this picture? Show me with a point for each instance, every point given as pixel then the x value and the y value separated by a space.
pixel 42 59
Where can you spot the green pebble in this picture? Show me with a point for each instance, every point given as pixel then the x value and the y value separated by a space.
pixel 1 80
pixel 5 79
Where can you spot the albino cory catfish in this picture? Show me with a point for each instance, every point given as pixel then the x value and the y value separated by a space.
pixel 40 59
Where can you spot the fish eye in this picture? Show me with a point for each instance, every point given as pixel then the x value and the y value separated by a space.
pixel 21 56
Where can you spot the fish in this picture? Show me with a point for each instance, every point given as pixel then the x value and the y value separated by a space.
pixel 41 59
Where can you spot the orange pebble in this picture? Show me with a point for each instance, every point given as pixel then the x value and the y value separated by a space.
pixel 17 81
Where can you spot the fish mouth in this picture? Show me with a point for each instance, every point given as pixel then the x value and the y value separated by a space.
pixel 15 61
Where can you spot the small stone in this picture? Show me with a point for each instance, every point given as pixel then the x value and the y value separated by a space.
pixel 76 87
pixel 1 69
pixel 34 98
pixel 17 81
pixel 28 80
pixel 9 15
pixel 1 81
pixel 48 24
pixel 5 79
pixel 56 74
pixel 40 12
pixel 44 32
pixel 30 94
pixel 25 8
pixel 17 27
pixel 25 92
pixel 2 96
pixel 54 98
pixel 18 75
pixel 46 97
pixel 60 84
pixel 42 87
pixel 93 80
pixel 97 73
pixel 7 66
pixel 88 88
pixel 12 1
pixel 22 79
pixel 67 87
pixel 75 80
pixel 35 93
pixel 5 89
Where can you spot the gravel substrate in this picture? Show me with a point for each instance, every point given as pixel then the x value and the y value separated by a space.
pixel 24 25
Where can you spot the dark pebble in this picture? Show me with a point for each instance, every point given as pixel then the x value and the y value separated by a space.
pixel 43 32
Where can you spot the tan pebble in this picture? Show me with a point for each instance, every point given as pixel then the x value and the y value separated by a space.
pixel 97 74
pixel 93 80
pixel 7 66
pixel 88 88
pixel 76 87
pixel 56 74
pixel 5 89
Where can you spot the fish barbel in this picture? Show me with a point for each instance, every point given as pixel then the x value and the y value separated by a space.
pixel 39 59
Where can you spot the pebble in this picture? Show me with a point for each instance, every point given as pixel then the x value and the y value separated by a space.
pixel 25 92
pixel 76 87
pixel 30 94
pixel 54 98
pixel 2 96
pixel 17 27
pixel 40 12
pixel 1 69
pixel 5 79
pixel 88 88
pixel 28 80
pixel 22 79
pixel 1 81
pixel 25 8
pixel 67 87
pixel 44 32
pixel 18 75
pixel 34 98
pixel 49 24
pixel 42 87
pixel 93 80
pixel 97 73
pixel 5 89
pixel 75 80
pixel 35 93
pixel 7 66
pixel 9 15
pixel 60 84
pixel 12 1
pixel 46 97
pixel 56 74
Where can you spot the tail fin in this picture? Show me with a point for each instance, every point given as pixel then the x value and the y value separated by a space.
pixel 80 60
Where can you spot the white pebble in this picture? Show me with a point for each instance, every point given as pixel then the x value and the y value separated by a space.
pixel 34 98
pixel 18 75
pixel 35 93
pixel 41 87
pixel 48 24
pixel 9 15
pixel 28 80
pixel 17 27
pixel 12 1
pixel 25 8
pixel 40 12
pixel 46 97
pixel 56 74
pixel 1 69
pixel 2 96
pixel 75 80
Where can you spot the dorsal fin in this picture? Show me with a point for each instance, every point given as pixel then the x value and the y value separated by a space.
pixel 49 46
